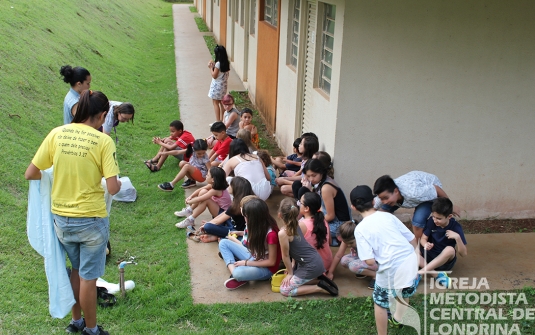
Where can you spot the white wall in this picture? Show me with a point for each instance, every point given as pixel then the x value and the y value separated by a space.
pixel 323 117
pixel 250 85
pixel 444 87
pixel 216 22
pixel 239 62
pixel 287 92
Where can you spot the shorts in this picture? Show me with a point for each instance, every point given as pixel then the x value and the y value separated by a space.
pixel 197 176
pixel 420 216
pixel 429 257
pixel 382 296
pixel 84 240
pixel 179 157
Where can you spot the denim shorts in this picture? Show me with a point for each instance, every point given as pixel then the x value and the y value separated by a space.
pixel 420 216
pixel 84 240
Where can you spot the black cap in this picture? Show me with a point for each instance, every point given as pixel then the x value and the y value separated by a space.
pixel 363 192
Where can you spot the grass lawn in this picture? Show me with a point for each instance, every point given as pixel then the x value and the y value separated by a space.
pixel 127 45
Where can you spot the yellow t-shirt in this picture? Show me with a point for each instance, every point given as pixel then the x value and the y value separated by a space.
pixel 81 156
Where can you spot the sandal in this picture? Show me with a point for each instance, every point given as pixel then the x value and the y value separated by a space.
pixel 193 237
pixel 150 161
pixel 151 167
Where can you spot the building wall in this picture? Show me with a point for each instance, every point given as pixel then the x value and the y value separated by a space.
pixel 322 117
pixel 239 62
pixel 252 47
pixel 443 87
pixel 267 69
pixel 208 14
pixel 216 20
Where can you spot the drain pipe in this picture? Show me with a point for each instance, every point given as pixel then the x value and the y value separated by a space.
pixel 121 276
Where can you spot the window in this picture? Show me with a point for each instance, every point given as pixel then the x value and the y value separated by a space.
pixel 242 13
pixel 271 11
pixel 294 36
pixel 327 44
pixel 252 22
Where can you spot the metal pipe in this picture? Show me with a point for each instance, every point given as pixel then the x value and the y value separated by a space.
pixel 121 276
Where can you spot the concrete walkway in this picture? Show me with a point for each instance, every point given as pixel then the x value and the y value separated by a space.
pixel 505 260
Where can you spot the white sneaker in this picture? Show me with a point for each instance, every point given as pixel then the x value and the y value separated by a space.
pixel 184 212
pixel 185 223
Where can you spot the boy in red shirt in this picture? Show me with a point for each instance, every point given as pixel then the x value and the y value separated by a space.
pixel 175 145
pixel 220 150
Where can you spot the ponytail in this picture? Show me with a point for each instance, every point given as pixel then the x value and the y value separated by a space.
pixel 289 212
pixel 313 201
pixel 189 151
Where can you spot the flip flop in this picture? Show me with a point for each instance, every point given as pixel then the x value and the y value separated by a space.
pixel 152 168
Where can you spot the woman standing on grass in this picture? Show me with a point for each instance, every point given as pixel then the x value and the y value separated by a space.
pixel 80 80
pixel 220 70
pixel 81 156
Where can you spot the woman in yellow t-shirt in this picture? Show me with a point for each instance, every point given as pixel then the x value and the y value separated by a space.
pixel 81 156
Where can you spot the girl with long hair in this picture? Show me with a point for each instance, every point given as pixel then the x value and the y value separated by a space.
pixel 305 274
pixel 257 256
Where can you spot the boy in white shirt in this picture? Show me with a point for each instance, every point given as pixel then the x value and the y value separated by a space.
pixel 384 240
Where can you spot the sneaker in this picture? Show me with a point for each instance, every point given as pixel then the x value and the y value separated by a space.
pixel 232 284
pixel 371 284
pixel 184 212
pixel 191 230
pixel 72 328
pixel 417 280
pixel 443 279
pixel 393 323
pixel 166 187
pixel 101 331
pixel 189 183
pixel 185 223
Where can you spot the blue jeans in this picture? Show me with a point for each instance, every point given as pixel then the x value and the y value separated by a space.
pixel 231 251
pixel 219 230
pixel 84 240
pixel 420 216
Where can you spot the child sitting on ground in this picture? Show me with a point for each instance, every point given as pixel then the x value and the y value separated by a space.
pixel 174 145
pixel 196 169
pixel 352 260
pixel 441 240
pixel 317 233
pixel 266 159
pixel 245 123
pixel 257 256
pixel 384 240
pixel 213 196
pixel 305 274
pixel 291 164
pixel 245 135
pixel 220 150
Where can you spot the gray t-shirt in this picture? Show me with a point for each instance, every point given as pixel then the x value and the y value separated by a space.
pixel 232 130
